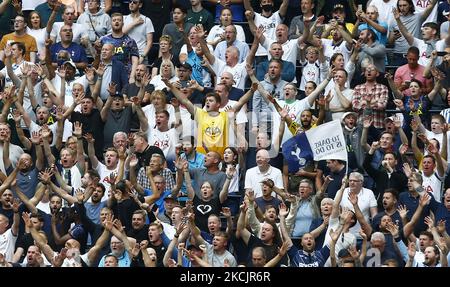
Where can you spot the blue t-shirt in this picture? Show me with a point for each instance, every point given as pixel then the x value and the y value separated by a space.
pixel 382 38
pixel 76 52
pixel 197 69
pixel 124 49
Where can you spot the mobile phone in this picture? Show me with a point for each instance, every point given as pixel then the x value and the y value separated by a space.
pixel 441 53
pixel 360 7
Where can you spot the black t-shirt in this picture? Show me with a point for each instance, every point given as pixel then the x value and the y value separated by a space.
pixel 203 209
pixel 157 63
pixel 115 122
pixel 132 90
pixel 271 250
pixel 145 156
pixel 93 124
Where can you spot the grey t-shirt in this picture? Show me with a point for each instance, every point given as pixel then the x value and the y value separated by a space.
pixel 412 22
pixel 200 175
pixel 177 38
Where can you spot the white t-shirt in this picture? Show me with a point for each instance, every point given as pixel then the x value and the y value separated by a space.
pixel 149 111
pixel 28 5
pixel 253 178
pixel 385 10
pixel 290 49
pixel 345 240
pixel 79 31
pixel 217 30
pixel 239 72
pixel 139 33
pixel 7 244
pixel 421 5
pixel 433 185
pixel 40 36
pixel 422 46
pixel 335 105
pixel 295 109
pixel 329 49
pixel 159 84
pixel 15 152
pixel 366 200
pixel 34 127
pixel 270 24
pixel 104 173
pixel 166 141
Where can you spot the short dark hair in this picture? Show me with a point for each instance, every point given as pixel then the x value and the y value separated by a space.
pixel 276 61
pixel 392 191
pixel 21 47
pixel 413 50
pixel 182 8
pixel 215 96
pixel 165 112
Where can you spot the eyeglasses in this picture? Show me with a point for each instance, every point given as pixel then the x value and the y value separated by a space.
pixel 135 1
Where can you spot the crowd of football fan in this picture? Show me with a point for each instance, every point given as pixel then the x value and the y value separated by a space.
pixel 151 133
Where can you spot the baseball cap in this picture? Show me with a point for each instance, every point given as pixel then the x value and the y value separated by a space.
pixel 338 7
pixel 170 196
pixel 193 246
pixel 343 253
pixel 391 118
pixel 446 13
pixel 70 62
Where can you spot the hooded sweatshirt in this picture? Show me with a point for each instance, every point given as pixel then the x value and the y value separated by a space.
pixel 100 20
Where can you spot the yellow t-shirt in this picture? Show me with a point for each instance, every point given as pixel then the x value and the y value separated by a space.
pixel 27 40
pixel 212 131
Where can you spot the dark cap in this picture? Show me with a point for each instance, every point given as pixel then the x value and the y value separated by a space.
pixel 343 253
pixel 193 246
pixel 338 7
pixel 170 196
pixel 186 66
pixel 117 95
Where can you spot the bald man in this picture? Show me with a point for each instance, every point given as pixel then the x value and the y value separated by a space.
pixel 263 170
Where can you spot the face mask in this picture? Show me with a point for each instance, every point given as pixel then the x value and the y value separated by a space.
pixel 267 8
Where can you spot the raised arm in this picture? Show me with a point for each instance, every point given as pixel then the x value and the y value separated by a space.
pixel 408 36
pixel 241 231
pixel 428 10
pixel 177 93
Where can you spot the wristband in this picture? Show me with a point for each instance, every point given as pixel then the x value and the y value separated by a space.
pixel 229 177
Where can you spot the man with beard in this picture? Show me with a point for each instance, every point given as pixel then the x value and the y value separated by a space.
pixel 164 137
pixel 114 163
pixel 140 85
pixel 9 233
pixel 267 18
pixel 118 117
pixel 386 177
pixel 91 122
pixel 27 175
pixel 125 48
pixel 139 230
pixel 389 203
pixel 269 238
pixel 424 241
pixel 434 256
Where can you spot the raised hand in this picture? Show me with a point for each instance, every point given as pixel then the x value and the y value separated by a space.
pixel 402 211
pixel 46 175
pixel 112 88
pixel 79 194
pixel 412 250
pixel 15 205
pixel 35 138
pixel 424 199
pixel 77 129
pixel 133 160
pixel 403 149
pixel 89 138
pixel 367 122
pixel 353 198
pixel 283 210
pixel 226 211
pixel 375 145
pixel 393 229
pixel 89 72
pixel 399 104
pixel 250 195
pixel 429 222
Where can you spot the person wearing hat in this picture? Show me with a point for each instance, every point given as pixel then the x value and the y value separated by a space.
pixel 117 116
pixel 352 135
pixel 339 16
